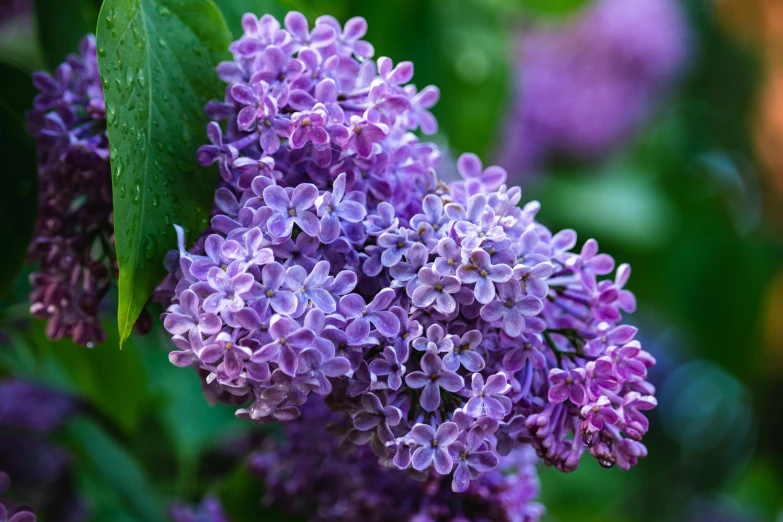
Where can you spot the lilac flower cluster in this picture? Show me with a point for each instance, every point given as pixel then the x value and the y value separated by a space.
pixel 315 476
pixel 73 240
pixel 583 87
pixel 452 325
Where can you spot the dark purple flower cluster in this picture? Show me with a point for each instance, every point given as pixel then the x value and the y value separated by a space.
pixel 452 324
pixel 73 240
pixel 584 86
pixel 313 475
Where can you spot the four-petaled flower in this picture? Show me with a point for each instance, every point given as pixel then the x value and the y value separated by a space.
pixel 472 458
pixel 436 289
pixel 481 271
pixel 288 339
pixel 273 277
pixel 489 399
pixel 308 288
pixel 435 341
pixel 567 385
pixel 361 315
pixel 185 316
pixel 332 207
pixel 432 378
pixel 465 353
pixel 227 291
pixel 375 414
pixel 293 209
pixel 598 413
pixel 310 126
pixel 225 347
pixel 433 447
pixel 511 307
pixel 389 365
pixel 316 366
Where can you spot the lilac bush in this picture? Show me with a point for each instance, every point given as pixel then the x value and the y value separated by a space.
pixel 73 240
pixel 446 324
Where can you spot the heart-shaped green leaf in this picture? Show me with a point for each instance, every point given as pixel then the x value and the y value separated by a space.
pixel 157 60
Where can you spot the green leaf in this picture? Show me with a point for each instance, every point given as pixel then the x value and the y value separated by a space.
pixel 19 197
pixel 114 382
pixel 62 24
pixel 554 7
pixel 234 9
pixel 115 466
pixel 157 60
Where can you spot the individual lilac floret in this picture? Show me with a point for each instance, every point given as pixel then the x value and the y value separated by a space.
pixel 427 313
pixel 432 378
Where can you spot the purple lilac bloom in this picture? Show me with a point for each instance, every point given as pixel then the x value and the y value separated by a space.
pixel 39 470
pixel 421 310
pixel 583 87
pixel 73 241
pixel 312 475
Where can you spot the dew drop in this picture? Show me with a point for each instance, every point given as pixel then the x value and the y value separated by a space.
pixel 606 463
pixel 149 246
pixel 118 83
pixel 117 174
pixel 129 77
pixel 111 112
pixel 110 16
pixel 140 78
pixel 122 191
pixel 137 193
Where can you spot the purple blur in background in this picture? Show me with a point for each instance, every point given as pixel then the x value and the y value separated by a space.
pixel 584 86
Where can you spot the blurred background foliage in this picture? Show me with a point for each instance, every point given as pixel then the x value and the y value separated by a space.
pixel 693 199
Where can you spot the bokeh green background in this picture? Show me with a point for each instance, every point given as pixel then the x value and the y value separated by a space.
pixel 685 201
